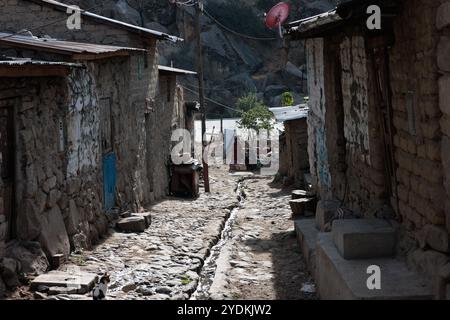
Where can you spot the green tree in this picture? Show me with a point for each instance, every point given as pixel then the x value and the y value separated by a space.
pixel 287 99
pixel 257 118
pixel 248 102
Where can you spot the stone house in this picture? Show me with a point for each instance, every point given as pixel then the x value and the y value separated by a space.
pixel 294 161
pixel 77 141
pixel 378 121
pixel 170 112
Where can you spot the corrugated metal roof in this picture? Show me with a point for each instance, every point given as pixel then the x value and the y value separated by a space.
pixel 29 62
pixel 63 47
pixel 116 23
pixel 283 114
pixel 313 22
pixel 175 70
pixel 346 12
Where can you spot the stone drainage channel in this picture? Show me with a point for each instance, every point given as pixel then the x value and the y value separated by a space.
pixel 208 270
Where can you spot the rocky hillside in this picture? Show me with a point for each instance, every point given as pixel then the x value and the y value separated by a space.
pixel 234 65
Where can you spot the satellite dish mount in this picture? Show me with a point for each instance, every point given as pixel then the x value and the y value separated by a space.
pixel 277 16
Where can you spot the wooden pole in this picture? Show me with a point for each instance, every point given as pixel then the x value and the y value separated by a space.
pixel 198 11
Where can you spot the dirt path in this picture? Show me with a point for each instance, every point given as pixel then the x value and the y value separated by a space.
pixel 262 260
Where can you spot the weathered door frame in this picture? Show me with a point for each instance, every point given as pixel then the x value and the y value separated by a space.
pixel 379 47
pixel 11 214
pixel 109 159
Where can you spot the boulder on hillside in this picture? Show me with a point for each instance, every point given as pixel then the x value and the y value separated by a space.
pixel 275 90
pixel 156 26
pixel 124 12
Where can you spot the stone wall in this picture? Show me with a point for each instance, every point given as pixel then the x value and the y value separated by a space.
pixel 59 123
pixel 40 162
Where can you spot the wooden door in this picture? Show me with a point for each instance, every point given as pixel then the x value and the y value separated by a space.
pixel 381 70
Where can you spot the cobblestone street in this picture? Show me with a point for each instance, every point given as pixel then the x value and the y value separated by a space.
pixel 234 243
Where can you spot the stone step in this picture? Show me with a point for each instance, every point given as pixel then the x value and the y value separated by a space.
pixel 325 212
pixel 364 238
pixel 306 232
pixel 77 283
pixel 132 224
pixel 341 279
pixel 302 207
pixel 146 215
pixel 299 194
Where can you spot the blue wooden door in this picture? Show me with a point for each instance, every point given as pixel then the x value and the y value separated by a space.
pixel 109 180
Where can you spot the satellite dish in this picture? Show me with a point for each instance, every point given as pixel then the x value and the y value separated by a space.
pixel 277 16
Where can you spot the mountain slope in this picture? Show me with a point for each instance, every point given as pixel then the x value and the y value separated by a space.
pixel 234 64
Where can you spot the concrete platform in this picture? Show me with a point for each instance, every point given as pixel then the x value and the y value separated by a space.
pixel 306 232
pixel 341 279
pixel 364 238
pixel 326 210
pixel 79 283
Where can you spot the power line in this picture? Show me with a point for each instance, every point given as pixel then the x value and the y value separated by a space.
pixel 214 101
pixel 235 32
pixel 214 89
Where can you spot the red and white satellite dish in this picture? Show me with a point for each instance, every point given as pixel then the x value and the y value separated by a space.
pixel 277 16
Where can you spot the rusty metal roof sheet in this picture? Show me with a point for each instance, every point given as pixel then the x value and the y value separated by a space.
pixel 346 12
pixel 165 69
pixel 62 47
pixel 104 20
pixel 29 62
pixel 311 23
pixel 283 114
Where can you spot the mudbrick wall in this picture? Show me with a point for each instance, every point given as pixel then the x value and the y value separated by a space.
pixel 364 177
pixel 420 68
pixel 360 183
pixel 296 149
pixel 159 130
pixel 419 72
pixel 318 156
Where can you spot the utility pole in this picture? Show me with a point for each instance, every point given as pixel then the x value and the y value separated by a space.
pixel 198 11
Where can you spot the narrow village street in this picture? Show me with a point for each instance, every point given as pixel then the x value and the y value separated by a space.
pixel 237 242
